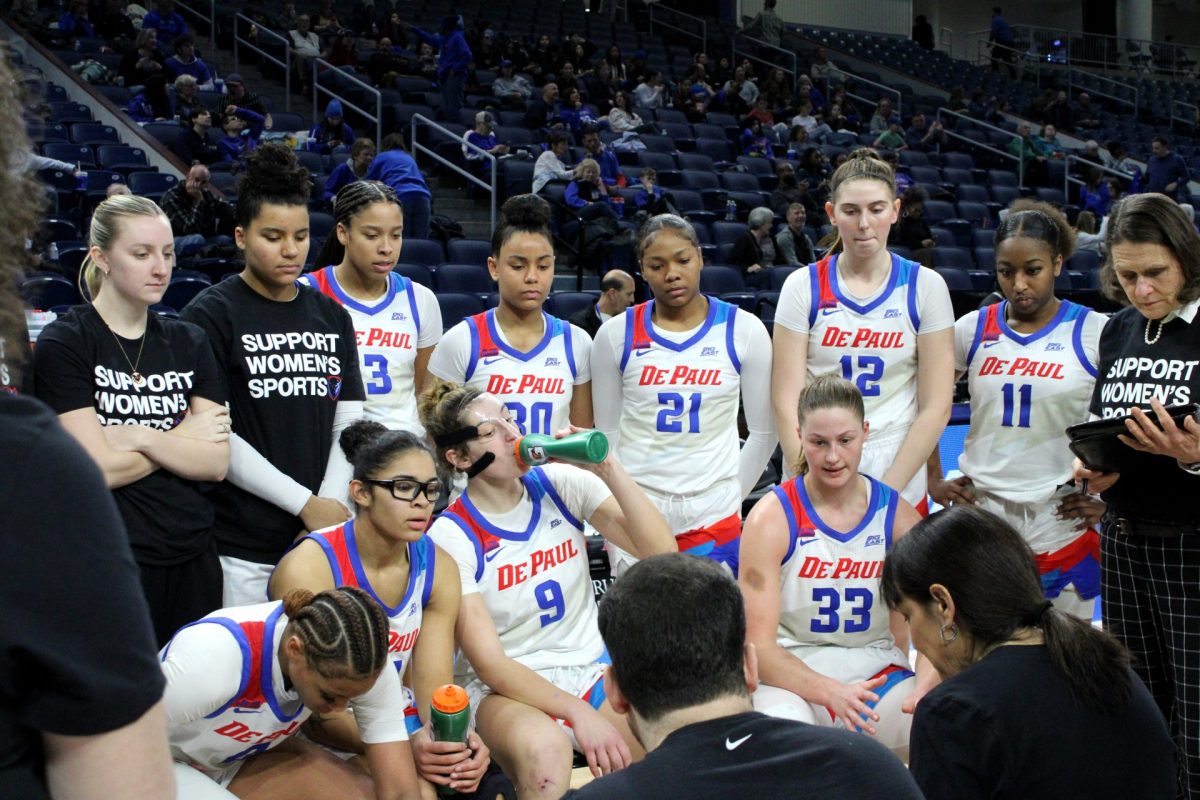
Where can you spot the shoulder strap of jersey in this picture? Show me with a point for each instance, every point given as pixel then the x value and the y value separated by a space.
pixel 799 525
pixel 729 317
pixel 563 328
pixel 427 557
pixel 637 337
pixel 987 329
pixel 911 272
pixel 403 284
pixel 483 541
pixel 888 501
pixel 320 280
pixel 1080 315
pixel 537 478
pixel 822 290
pixel 249 636
pixel 333 544
pixel 487 346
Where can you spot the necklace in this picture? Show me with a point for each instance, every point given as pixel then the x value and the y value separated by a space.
pixel 138 379
pixel 1157 336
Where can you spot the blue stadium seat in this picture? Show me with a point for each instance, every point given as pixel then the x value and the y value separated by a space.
pixel 121 158
pixel 721 280
pixel 958 257
pixel 740 181
pixel 976 213
pixel 151 184
pixel 183 289
pixel 983 237
pixel 1005 194
pixel 468 251
pixel 938 210
pixel 972 193
pixel 756 166
pixel 725 232
pixel 320 224
pixel 417 273
pixel 457 306
pixel 1085 261
pixel 71 153
pixel 717 149
pixel 1002 177
pixel 565 305
pixel 957 279
pixel 422 251
pixel 985 258
pixel 1054 197
pixel 958 177
pixel 94 133
pixel 958 160
pixel 778 275
pixel 696 161
pixel 925 174
pixel 44 290
pixel 465 278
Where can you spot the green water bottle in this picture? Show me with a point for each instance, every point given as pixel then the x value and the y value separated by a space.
pixel 587 447
pixel 450 715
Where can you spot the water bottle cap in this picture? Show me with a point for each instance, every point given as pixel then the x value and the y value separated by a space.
pixel 450 699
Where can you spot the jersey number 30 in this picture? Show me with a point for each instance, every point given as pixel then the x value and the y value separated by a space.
pixel 857 611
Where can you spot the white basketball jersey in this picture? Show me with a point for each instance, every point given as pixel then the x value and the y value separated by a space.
pixel 830 601
pixel 678 427
pixel 535 582
pixel 872 344
pixel 536 385
pixel 261 715
pixel 404 619
pixel 1025 391
pixel 387 334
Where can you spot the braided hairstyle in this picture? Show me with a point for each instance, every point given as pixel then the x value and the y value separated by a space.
pixel 1035 219
pixel 344 631
pixel 350 200
pixel 272 175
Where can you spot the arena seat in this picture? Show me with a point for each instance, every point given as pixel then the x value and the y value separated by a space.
pixel 468 251
pixel 417 273
pixel 422 251
pixel 456 307
pixel 464 278
pixel 565 305
pixel 44 290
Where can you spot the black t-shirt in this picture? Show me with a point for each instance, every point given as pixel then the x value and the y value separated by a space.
pixel 1008 727
pixel 1131 373
pixel 78 364
pixel 287 365
pixel 76 650
pixel 755 756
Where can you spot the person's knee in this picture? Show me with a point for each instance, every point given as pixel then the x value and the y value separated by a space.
pixel 544 764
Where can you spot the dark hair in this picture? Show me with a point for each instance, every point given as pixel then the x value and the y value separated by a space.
pixel 180 41
pixel 555 138
pixel 393 141
pixel 195 112
pixel 344 631
pixel 826 391
pixel 665 222
pixel 1160 140
pixel 1035 219
pixel 370 446
pixel 440 408
pixel 589 130
pixel 272 175
pixel 524 213
pixel 1152 219
pixel 990 573
pixel 351 199
pixel 665 656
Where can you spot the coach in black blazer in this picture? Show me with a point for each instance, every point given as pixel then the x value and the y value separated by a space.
pixel 616 295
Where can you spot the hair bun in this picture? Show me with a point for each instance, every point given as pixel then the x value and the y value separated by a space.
pixel 865 153
pixel 358 435
pixel 295 600
pixel 525 211
pixel 272 170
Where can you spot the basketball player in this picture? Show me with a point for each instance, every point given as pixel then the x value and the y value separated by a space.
pixel 538 365
pixel 396 322
pixel 880 321
pixel 669 374
pixel 1030 362
pixel 829 651
pixel 534 658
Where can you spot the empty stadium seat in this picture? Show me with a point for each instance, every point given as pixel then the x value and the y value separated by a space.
pixel 958 257
pixel 465 278
pixel 151 184
pixel 183 289
pixel 468 251
pixel 565 305
pixel 417 273
pixel 456 307
pixel 422 251
pixel 44 290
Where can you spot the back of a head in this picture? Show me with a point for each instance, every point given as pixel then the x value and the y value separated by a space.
pixel 675 628
pixel 272 175
pixel 523 213
pixel 993 579
pixel 344 631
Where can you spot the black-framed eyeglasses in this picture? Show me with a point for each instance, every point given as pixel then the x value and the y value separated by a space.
pixel 407 489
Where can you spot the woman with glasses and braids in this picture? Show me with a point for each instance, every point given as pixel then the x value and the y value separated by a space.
pixel 241 682
pixel 397 322
pixel 384 551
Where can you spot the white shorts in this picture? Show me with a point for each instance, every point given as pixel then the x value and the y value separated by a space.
pixel 245 582
pixel 193 784
pixel 1034 521
pixel 585 682
pixel 878 455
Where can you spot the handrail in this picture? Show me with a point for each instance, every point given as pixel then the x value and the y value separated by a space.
pixel 946 40
pixel 1072 83
pixel 838 70
pixel 1190 119
pixel 317 89
pixel 287 54
pixel 702 36
pixel 1068 178
pixel 1113 49
pixel 794 71
pixel 211 19
pixel 417 147
pixel 1004 153
pixel 1020 59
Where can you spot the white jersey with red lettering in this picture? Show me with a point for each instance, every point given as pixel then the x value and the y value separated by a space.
pixel 537 385
pixel 535 581
pixel 1026 389
pixel 831 612
pixel 389 331
pixel 227 700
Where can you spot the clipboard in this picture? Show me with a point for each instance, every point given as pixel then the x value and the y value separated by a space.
pixel 1096 443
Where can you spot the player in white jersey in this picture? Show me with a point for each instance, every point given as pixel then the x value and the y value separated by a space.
pixel 384 552
pixel 527 626
pixel 669 375
pixel 242 681
pixel 1030 363
pixel 397 322
pixel 880 321
pixel 538 365
pixel 829 652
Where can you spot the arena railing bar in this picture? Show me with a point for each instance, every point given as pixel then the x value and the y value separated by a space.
pixel 1190 120
pixel 318 89
pixel 946 40
pixel 414 142
pixel 1072 83
pixel 949 131
pixel 287 53
pixel 1106 50
pixel 789 54
pixel 211 19
pixel 661 9
pixel 895 93
pixel 1069 179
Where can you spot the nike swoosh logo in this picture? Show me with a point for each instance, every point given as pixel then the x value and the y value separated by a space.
pixel 640 353
pixel 825 312
pixel 245 710
pixel 492 554
pixel 990 344
pixel 735 745
pixel 807 540
pixel 487 361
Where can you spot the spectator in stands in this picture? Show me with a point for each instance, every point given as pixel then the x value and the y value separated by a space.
pixel 1025 148
pixel 166 20
pixel 610 169
pixel 196 214
pixel 362 153
pixel 616 295
pixel 762 114
pixel 922 32
pixel 1119 159
pixel 616 64
pixel 912 231
pixel 488 55
pixel 543 112
pixel 822 68
pixel 806 90
pixel 883 117
pixel 903 178
pixel 754 251
pixel 1001 37
pixel 1087 237
pixel 776 91
pixel 483 136
pixel 74 23
pixel 1059 112
pixel 792 243
pixel 427 63
pixel 850 113
pixel 721 73
pixel 331 131
pixel 192 145
pixel 836 118
pixel 511 89
pixel 186 62
pixel 766 25
pixel 894 138
pixel 1166 171
pixel 549 165
pixel 238 95
pixel 1048 142
pixel 816 130
pixel 243 128
pixel 575 113
pixel 588 194
pixel 115 189
pixel 925 136
pixel 326 23
pixel 651 92
pixel 814 165
pixel 1093 195
pixel 566 77
pixel 306 45
pixel 544 57
pixel 114 25
pixel 601 87
pixel 399 170
pixel 637 70
pixel 651 199
pixel 187 97
pixel 790 188
pixel 343 52
pixel 1086 115
pixel 739 92
pixel 454 57
pixel 797 142
pixel 143 66
pixel 754 141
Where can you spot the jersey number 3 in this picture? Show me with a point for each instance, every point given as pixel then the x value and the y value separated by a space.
pixel 857 611
pixel 378 380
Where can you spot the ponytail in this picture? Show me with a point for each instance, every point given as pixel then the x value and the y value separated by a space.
pixel 1094 663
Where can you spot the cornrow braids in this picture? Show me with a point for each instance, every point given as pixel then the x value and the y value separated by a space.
pixel 351 199
pixel 344 631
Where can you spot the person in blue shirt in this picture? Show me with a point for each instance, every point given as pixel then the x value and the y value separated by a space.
pixel 1094 195
pixel 454 58
pixel 1001 34
pixel 186 62
pixel 395 167
pixel 330 131
pixel 242 128
pixel 652 198
pixel 483 136
pixel 588 194
pixel 166 20
pixel 754 142
pixel 362 153
pixel 576 114
pixel 1166 171
pixel 74 23
pixel 610 169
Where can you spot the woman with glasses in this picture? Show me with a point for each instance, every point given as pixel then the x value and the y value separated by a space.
pixel 383 550
pixel 534 657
